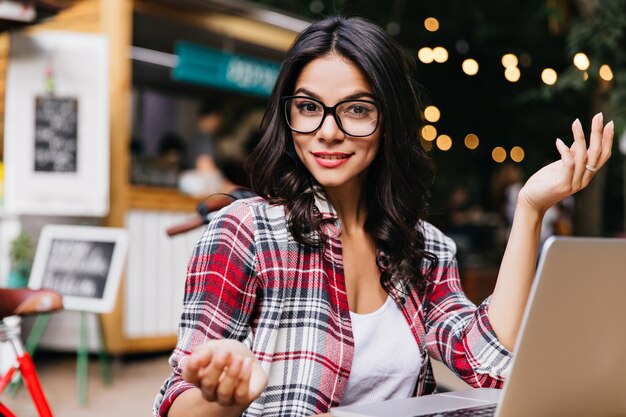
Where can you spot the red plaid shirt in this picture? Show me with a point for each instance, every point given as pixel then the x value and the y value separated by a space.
pixel 250 280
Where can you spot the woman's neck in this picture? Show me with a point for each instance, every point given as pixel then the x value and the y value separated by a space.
pixel 349 206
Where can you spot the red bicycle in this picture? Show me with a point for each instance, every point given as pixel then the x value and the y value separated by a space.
pixel 21 302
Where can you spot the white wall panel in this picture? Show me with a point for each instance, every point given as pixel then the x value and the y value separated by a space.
pixel 157 266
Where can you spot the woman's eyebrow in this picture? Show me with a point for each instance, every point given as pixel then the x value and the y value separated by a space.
pixel 307 92
pixel 354 96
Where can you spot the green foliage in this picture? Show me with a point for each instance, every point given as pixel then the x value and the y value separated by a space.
pixel 22 252
pixel 602 36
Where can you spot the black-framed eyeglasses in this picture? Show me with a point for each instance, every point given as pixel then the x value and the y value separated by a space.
pixel 357 118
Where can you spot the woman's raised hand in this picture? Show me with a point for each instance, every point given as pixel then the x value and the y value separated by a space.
pixel 226 372
pixel 573 171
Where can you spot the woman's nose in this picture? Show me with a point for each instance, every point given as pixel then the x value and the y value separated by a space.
pixel 330 131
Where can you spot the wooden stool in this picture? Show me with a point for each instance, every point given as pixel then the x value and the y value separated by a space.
pixel 21 302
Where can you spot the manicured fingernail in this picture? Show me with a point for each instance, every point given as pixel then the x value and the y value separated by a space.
pixel 559 141
pixel 577 123
pixel 612 126
pixel 600 116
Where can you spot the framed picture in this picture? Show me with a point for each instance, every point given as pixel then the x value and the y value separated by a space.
pixel 57 125
pixel 83 263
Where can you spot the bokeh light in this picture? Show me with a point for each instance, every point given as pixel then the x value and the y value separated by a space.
pixel 517 154
pixel 605 72
pixel 429 133
pixel 444 142
pixel 512 74
pixel 498 154
pixel 431 24
pixel 425 55
pixel 432 114
pixel 581 61
pixel 509 60
pixel 471 141
pixel 440 54
pixel 549 76
pixel 470 66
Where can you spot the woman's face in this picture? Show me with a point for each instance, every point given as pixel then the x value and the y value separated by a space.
pixel 335 159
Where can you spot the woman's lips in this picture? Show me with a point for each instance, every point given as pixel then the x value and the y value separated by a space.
pixel 331 160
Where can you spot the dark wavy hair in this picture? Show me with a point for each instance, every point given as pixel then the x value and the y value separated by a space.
pixel 398 180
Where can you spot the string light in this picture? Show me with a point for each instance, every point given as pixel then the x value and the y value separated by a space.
pixel 425 55
pixel 605 72
pixel 432 114
pixel 512 74
pixel 509 60
pixel 444 142
pixel 440 54
pixel 549 76
pixel 581 61
pixel 431 24
pixel 470 66
pixel 471 141
pixel 498 154
pixel 517 154
pixel 429 133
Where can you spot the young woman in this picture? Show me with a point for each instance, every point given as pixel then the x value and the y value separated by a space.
pixel 330 288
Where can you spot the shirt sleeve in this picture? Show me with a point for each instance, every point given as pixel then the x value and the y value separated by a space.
pixel 458 333
pixel 220 293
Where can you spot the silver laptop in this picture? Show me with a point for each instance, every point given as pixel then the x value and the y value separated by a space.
pixel 570 357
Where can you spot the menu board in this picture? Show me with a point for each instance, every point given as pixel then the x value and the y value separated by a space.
pixel 78 268
pixel 83 263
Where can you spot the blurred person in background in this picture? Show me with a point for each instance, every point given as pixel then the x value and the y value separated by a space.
pixel 203 177
pixel 238 144
pixel 506 185
pixel 171 152
pixel 292 297
pixel 471 228
pixel 202 148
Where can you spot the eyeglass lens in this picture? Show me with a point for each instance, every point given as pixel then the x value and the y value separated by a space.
pixel 355 117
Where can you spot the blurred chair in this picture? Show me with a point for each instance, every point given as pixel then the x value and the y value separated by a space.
pixel 14 303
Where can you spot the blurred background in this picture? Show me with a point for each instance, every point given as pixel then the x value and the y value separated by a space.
pixel 128 113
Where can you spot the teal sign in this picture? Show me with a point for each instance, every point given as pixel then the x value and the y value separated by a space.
pixel 202 65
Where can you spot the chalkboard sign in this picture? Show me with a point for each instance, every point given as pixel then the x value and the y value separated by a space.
pixel 83 263
pixel 56 134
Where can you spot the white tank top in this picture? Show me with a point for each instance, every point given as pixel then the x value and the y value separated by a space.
pixel 386 360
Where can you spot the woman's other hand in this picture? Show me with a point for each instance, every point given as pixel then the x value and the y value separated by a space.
pixel 573 171
pixel 226 372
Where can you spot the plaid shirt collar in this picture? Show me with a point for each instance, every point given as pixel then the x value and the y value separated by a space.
pixel 325 208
